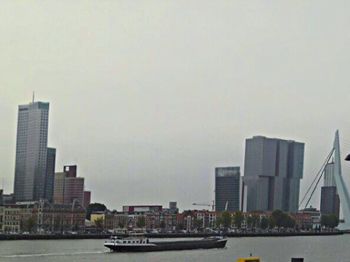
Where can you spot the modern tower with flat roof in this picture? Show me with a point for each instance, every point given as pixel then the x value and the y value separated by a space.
pixel 272 172
pixel 31 151
pixel 227 188
pixel 50 173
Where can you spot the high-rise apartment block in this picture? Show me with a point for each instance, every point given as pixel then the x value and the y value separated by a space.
pixel 227 188
pixel 68 187
pixel 31 151
pixel 272 172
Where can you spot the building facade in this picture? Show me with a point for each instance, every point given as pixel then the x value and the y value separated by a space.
pixel 31 151
pixel 227 188
pixel 272 172
pixel 41 216
pixel 87 198
pixel 68 187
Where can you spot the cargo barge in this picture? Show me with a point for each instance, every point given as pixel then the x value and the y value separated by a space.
pixel 142 244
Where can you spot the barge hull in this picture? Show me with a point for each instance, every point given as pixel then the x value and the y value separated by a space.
pixel 166 246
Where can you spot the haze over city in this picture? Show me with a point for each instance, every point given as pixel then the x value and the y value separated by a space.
pixel 148 98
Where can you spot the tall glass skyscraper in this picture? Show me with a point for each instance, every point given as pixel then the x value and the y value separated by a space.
pixel 227 185
pixel 31 151
pixel 272 172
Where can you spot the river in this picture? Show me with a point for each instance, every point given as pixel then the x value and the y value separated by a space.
pixel 270 249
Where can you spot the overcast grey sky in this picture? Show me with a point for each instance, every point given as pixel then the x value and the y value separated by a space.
pixel 148 97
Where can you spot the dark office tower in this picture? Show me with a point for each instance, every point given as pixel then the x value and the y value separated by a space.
pixel 330 203
pixel 272 172
pixel 50 173
pixel 31 151
pixel 227 184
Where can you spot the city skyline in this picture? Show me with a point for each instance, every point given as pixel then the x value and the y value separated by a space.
pixel 159 201
pixel 154 96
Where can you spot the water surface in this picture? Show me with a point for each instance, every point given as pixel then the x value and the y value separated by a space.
pixel 270 249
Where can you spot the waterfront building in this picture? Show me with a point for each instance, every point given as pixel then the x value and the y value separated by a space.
pixel 142 209
pixel 196 219
pixel 227 188
pixel 41 216
pixel 314 216
pixel 11 219
pixel 68 187
pixel 272 172
pixel 31 151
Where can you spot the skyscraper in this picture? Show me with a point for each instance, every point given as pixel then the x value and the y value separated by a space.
pixel 227 184
pixel 330 203
pixel 31 151
pixel 272 172
pixel 50 173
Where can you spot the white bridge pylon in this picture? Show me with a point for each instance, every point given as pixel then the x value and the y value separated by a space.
pixel 340 184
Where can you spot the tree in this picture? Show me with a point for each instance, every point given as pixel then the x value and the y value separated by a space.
pixel 333 221
pixel 255 220
pixel 288 221
pixel 281 219
pixel 249 221
pixel 277 217
pixel 226 219
pixel 198 223
pixel 141 222
pixel 329 221
pixel 264 223
pixel 218 222
pixel 180 226
pixel 93 208
pixel 99 222
pixel 272 223
pixel 238 219
pixel 29 224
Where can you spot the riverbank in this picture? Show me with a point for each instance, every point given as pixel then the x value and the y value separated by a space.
pixel 164 235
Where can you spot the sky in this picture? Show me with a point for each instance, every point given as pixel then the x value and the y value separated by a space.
pixel 148 97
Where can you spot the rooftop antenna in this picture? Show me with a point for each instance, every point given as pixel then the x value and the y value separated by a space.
pixel 33 96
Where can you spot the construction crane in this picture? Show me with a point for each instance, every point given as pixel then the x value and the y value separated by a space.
pixel 206 205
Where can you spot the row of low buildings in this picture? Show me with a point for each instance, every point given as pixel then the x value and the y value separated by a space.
pixel 41 217
pixel 45 217
pixel 155 217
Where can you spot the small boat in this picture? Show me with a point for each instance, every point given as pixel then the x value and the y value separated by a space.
pixel 249 259
pixel 143 244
